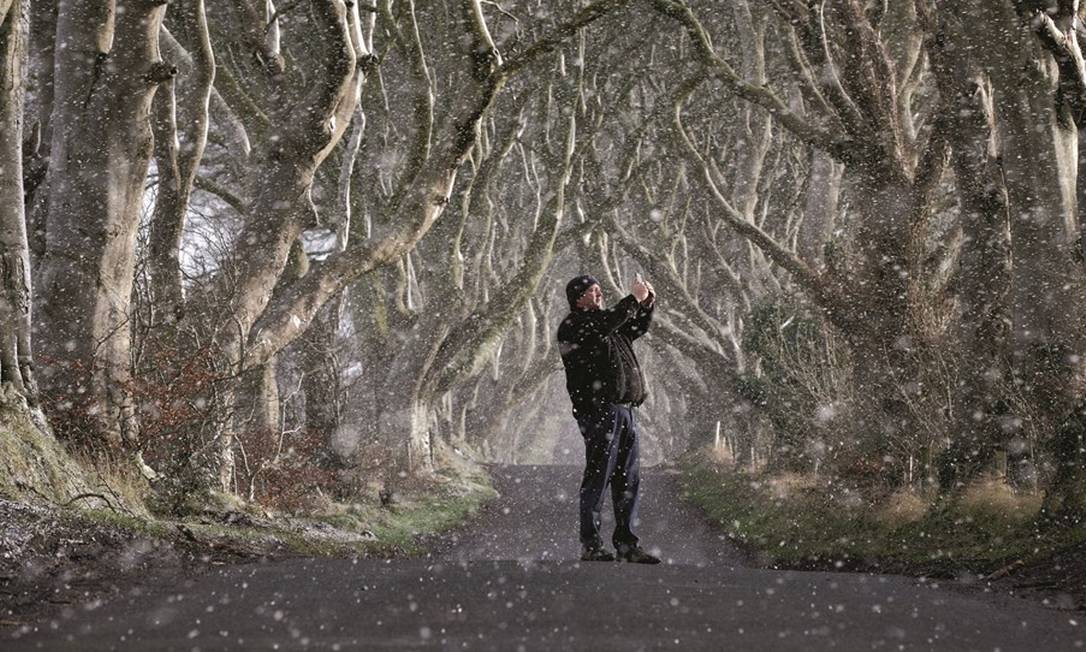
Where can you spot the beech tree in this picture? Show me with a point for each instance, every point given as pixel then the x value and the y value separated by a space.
pixel 16 359
pixel 857 91
pixel 105 79
pixel 1037 100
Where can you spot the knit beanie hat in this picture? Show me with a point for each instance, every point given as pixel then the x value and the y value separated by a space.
pixel 576 288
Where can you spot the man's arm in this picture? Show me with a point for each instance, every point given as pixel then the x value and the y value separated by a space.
pixel 639 325
pixel 586 326
pixel 604 322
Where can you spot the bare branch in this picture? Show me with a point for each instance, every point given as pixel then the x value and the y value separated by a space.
pixel 463 353
pixel 786 259
pixel 834 143
pixel 549 43
pixel 486 53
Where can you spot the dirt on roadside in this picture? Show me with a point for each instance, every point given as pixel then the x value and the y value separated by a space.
pixel 52 559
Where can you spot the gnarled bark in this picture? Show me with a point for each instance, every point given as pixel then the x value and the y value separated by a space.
pixel 105 80
pixel 16 361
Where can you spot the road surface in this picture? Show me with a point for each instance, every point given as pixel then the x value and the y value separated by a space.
pixel 512 581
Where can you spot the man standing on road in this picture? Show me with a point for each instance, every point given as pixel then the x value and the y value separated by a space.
pixel 605 384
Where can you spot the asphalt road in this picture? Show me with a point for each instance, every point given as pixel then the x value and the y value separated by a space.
pixel 511 581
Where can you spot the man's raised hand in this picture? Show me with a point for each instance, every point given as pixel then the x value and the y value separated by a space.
pixel 652 295
pixel 640 289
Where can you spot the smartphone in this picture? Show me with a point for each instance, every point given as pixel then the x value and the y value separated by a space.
pixel 640 279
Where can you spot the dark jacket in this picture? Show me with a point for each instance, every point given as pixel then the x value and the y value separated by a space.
pixel 597 352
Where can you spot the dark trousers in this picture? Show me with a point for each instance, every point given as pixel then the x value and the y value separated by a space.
pixel 611 457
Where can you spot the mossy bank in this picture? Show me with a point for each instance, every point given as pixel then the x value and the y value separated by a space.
pixel 33 464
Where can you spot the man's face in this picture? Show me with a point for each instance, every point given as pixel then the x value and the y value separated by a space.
pixel 592 299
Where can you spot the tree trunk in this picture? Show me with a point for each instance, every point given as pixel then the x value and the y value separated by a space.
pixel 820 209
pixel 1065 501
pixel 397 352
pixel 883 331
pixel 255 419
pixel 105 81
pixel 1040 142
pixel 406 421
pixel 983 277
pixel 1038 87
pixel 258 400
pixel 16 363
pixel 321 385
pixel 38 134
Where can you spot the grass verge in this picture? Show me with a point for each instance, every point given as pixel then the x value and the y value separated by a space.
pixel 809 523
pixel 405 527
pixel 358 528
